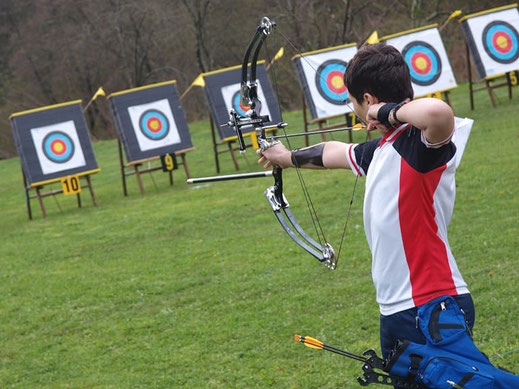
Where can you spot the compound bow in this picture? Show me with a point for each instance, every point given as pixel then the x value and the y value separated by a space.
pixel 321 250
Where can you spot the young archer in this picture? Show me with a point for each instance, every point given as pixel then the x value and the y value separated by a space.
pixel 410 189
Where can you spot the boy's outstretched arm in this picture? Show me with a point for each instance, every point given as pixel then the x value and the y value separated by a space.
pixel 326 155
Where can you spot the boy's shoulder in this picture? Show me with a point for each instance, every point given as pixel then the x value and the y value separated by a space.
pixel 413 150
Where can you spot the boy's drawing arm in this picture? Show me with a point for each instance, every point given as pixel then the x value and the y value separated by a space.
pixel 434 117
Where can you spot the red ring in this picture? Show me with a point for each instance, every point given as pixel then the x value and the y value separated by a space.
pixel 415 57
pixel 150 121
pixel 330 77
pixel 508 46
pixel 53 145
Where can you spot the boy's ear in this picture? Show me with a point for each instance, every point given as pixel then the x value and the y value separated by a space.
pixel 370 99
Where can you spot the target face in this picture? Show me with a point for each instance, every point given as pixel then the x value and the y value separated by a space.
pixel 154 124
pixel 501 41
pixel 58 147
pixel 329 80
pixel 424 62
pixel 238 106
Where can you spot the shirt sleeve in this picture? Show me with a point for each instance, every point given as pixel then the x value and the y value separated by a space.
pixel 436 145
pixel 359 156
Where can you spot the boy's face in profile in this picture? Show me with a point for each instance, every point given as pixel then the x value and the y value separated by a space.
pixel 360 109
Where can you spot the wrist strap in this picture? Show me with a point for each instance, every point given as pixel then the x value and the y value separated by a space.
pixel 394 111
pixel 387 111
pixel 383 114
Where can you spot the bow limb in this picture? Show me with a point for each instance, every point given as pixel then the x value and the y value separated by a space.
pixel 281 209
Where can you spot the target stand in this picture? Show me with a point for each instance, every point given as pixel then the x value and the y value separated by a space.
pixel 426 57
pixel 151 127
pixel 222 88
pixel 54 147
pixel 492 47
pixel 321 77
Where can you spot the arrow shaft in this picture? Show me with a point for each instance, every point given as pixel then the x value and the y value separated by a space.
pixel 313 132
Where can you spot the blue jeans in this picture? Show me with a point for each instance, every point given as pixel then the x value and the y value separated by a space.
pixel 402 325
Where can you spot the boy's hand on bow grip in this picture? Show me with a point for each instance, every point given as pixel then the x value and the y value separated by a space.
pixel 276 155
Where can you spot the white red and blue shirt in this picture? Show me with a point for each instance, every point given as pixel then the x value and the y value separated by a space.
pixel 408 204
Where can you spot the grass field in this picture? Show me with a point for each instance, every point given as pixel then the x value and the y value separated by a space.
pixel 199 287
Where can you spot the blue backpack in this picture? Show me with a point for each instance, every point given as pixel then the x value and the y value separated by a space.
pixel 449 359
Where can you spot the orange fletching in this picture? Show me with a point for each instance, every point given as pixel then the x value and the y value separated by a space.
pixel 313 343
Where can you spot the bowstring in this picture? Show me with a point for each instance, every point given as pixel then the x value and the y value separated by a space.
pixel 362 155
pixel 306 193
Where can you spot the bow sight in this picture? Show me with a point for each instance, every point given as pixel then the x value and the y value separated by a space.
pixel 249 90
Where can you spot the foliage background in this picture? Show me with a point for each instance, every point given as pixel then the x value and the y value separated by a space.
pixel 60 50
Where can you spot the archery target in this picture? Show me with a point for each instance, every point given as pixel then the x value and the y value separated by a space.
pixel 329 80
pixel 154 125
pixel 231 96
pixel 500 40
pixel 57 147
pixel 494 41
pixel 424 62
pixel 425 55
pixel 322 77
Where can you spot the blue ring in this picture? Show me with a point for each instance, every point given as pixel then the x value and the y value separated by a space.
pixel 58 135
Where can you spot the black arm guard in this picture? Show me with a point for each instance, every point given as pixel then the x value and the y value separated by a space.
pixel 309 156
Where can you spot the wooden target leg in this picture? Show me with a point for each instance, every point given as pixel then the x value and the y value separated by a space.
pixel 349 121
pixel 40 200
pixel 28 202
pixel 121 162
pixel 323 136
pixel 469 71
pixel 78 200
pixel 184 162
pixel 305 120
pixel 27 196
pixel 215 146
pixel 447 98
pixel 491 93
pixel 139 180
pixel 170 177
pixel 231 150
pixel 91 188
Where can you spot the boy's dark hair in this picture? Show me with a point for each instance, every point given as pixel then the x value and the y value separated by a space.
pixel 380 70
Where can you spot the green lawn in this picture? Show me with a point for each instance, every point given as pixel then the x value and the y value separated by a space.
pixel 199 286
